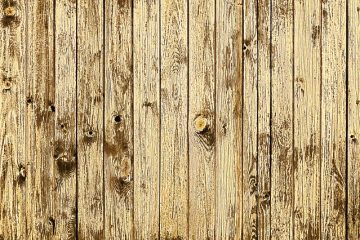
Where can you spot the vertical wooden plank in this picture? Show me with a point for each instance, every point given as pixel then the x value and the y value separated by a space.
pixel 174 105
pixel 41 180
pixel 353 120
pixel 333 120
pixel 264 107
pixel 146 118
pixel 65 124
pixel 12 120
pixel 90 119
pixel 202 119
pixel 250 114
pixel 118 146
pixel 282 120
pixel 307 113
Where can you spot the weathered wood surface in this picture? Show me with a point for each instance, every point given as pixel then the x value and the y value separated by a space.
pixel 179 119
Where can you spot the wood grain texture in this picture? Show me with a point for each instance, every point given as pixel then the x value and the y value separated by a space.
pixel 40 135
pixel 65 124
pixel 202 119
pixel 118 139
pixel 353 134
pixel 228 106
pixel 179 119
pixel 90 110
pixel 146 118
pixel 174 107
pixel 12 120
pixel 307 113
pixel 263 118
pixel 249 122
pixel 282 168
pixel 333 120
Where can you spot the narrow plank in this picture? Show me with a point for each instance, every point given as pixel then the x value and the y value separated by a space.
pixel 12 120
pixel 353 120
pixel 282 120
pixel 264 106
pixel 250 114
pixel 65 123
pixel 202 119
pixel 333 120
pixel 118 147
pixel 307 112
pixel 174 105
pixel 146 118
pixel 41 180
pixel 90 119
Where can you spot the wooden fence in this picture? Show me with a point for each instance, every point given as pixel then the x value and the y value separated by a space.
pixel 180 119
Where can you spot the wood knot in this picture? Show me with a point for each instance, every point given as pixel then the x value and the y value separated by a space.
pixel 89 136
pixel 353 138
pixel 64 165
pixel 201 124
pixel 117 118
pixel 7 82
pixel 10 11
pixel 21 174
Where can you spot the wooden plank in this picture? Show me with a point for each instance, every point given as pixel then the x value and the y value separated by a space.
pixel 118 147
pixel 353 120
pixel 307 112
pixel 264 107
pixel 249 156
pixel 90 119
pixel 282 120
pixel 202 119
pixel 333 120
pixel 146 118
pixel 41 180
pixel 65 124
pixel 174 135
pixel 12 120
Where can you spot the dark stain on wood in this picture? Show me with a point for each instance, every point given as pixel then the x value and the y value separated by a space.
pixel 10 18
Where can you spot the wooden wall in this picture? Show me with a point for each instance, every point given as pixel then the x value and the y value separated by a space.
pixel 180 119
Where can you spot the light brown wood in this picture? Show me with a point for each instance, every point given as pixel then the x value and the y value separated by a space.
pixel 146 118
pixel 333 120
pixel 263 118
pixel 90 110
pixel 13 166
pixel 118 139
pixel 249 122
pixel 229 86
pixel 40 180
pixel 307 97
pixel 174 107
pixel 353 133
pixel 282 167
pixel 202 104
pixel 179 119
pixel 64 218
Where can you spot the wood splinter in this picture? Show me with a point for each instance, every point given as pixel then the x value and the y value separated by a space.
pixel 201 124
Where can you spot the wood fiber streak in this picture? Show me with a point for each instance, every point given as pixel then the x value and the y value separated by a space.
pixel 307 96
pixel 333 120
pixel 146 118
pixel 228 120
pixel 263 118
pixel 90 110
pixel 65 120
pixel 40 92
pixel 118 139
pixel 353 120
pixel 12 120
pixel 249 121
pixel 202 127
pixel 174 105
pixel 282 167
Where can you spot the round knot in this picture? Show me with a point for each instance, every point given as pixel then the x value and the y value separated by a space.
pixel 201 124
pixel 10 11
